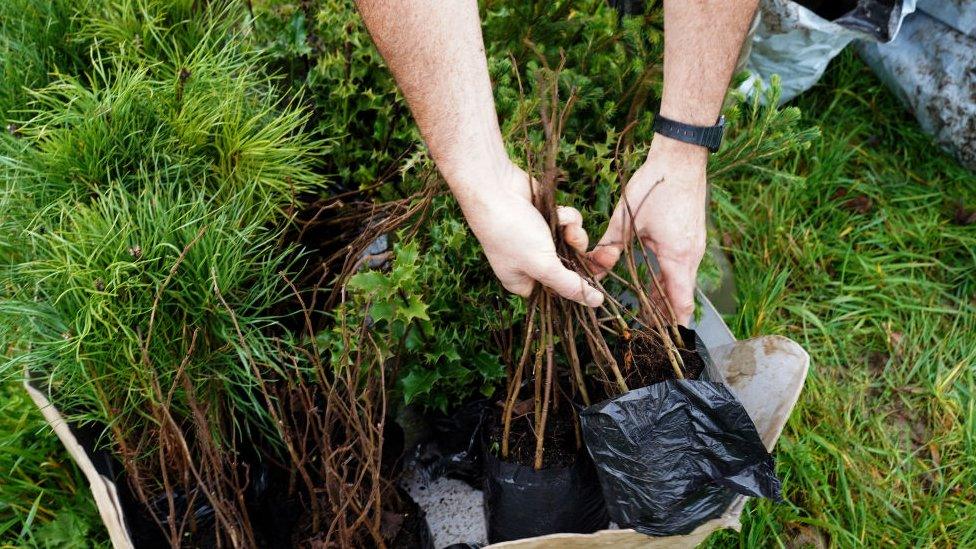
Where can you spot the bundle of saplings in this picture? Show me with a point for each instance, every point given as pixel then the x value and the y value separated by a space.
pixel 460 351
pixel 149 287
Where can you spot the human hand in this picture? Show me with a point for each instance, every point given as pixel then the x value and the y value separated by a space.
pixel 667 201
pixel 516 238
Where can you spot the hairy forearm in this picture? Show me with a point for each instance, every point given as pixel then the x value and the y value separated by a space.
pixel 436 53
pixel 702 39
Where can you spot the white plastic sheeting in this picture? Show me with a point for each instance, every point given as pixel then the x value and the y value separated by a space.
pixel 931 67
pixel 923 50
pixel 797 44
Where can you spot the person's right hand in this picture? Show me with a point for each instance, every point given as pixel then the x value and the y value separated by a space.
pixel 516 238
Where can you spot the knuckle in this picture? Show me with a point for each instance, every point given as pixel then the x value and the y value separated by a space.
pixel 684 309
pixel 569 215
pixel 685 304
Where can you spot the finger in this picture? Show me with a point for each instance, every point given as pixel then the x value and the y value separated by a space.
pixel 571 221
pixel 679 284
pixel 552 274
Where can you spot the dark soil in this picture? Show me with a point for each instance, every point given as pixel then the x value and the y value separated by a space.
pixel 278 514
pixel 560 448
pixel 645 362
pixel 407 523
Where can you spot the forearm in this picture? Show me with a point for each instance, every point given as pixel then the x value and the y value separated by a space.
pixel 702 39
pixel 436 53
pixel 665 198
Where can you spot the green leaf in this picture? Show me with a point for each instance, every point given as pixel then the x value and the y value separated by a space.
pixel 418 382
pixel 370 282
pixel 382 310
pixel 406 254
pixel 442 349
pixel 488 365
pixel 415 308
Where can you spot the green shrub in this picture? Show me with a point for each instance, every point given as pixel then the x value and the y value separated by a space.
pixel 121 285
pixel 146 199
pixel 36 41
pixel 195 120
pixel 330 61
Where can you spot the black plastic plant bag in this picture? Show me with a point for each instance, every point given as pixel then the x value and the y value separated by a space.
pixel 675 454
pixel 521 502
pixel 454 447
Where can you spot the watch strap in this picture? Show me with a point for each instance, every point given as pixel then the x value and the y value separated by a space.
pixel 709 137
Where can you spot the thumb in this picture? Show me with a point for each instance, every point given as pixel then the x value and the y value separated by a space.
pixel 554 275
pixel 607 251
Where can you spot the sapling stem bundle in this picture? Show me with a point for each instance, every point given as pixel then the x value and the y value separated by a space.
pixel 597 344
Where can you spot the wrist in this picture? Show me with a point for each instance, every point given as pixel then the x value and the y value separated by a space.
pixel 479 185
pixel 677 154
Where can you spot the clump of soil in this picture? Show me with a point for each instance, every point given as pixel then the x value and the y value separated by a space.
pixel 645 361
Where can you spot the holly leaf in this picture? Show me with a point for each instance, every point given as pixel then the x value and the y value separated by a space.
pixel 488 366
pixel 418 382
pixel 414 339
pixel 442 349
pixel 370 282
pixel 406 254
pixel 382 310
pixel 415 308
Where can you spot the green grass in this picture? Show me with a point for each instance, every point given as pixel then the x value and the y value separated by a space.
pixel 44 499
pixel 882 447
pixel 881 450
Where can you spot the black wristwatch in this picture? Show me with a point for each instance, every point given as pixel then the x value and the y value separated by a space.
pixel 709 137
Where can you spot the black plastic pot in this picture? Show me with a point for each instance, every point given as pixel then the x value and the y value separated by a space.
pixel 674 454
pixel 521 502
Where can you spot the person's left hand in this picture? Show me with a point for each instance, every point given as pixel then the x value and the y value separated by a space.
pixel 667 200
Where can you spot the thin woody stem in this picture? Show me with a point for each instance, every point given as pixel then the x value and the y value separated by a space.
pixel 647 263
pixel 673 356
pixel 516 381
pixel 574 360
pixel 547 390
pixel 537 371
pixel 602 345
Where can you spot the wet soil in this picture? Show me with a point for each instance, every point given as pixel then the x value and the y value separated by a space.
pixel 644 360
pixel 560 448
